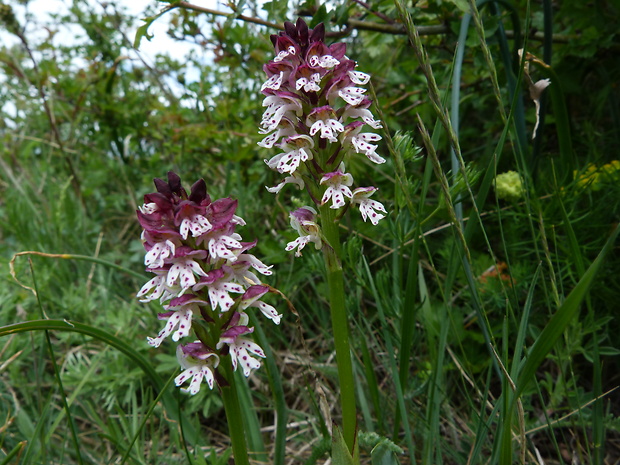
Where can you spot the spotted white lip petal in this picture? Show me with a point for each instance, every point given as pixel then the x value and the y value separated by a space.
pixel 181 318
pixel 154 289
pixel 357 77
pixel 298 244
pixel 316 127
pixel 288 180
pixel 274 82
pixel 369 210
pixel 268 141
pixel 219 247
pixel 155 257
pixel 184 323
pixel 373 157
pixel 269 311
pixel 352 95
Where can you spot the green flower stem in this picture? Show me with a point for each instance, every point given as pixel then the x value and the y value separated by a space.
pixel 233 416
pixel 340 324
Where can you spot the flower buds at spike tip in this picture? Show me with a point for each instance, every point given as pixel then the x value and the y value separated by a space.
pixel 203 270
pixel 317 113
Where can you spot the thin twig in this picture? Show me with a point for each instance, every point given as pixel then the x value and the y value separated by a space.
pixel 355 24
pixel 75 181
pixel 382 16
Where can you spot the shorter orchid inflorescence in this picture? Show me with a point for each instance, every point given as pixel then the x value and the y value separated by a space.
pixel 202 271
pixel 316 113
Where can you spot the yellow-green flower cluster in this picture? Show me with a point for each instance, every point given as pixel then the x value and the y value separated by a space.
pixel 595 177
pixel 509 186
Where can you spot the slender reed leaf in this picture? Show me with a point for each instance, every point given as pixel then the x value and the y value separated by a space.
pixel 547 339
pixel 275 384
pixel 387 339
pixel 256 445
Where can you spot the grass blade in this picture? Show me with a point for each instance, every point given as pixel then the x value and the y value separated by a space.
pixel 170 403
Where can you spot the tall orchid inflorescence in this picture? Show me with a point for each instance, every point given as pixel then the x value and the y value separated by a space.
pixel 202 270
pixel 317 114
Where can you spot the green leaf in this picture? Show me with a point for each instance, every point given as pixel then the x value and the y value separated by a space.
pixel 461 5
pixel 383 454
pixel 546 340
pixel 340 452
pixel 170 403
pixel 143 31
pixel 17 449
pixel 558 322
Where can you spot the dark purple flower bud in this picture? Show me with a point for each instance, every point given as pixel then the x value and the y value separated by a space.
pixel 199 194
pixel 197 350
pixel 234 332
pixel 255 292
pixel 338 51
pixel 211 277
pixel 159 222
pixel 163 187
pixel 165 315
pixel 163 203
pixel 184 300
pixel 304 214
pixel 186 251
pixel 290 30
pixel 221 212
pixel 174 181
pixel 318 33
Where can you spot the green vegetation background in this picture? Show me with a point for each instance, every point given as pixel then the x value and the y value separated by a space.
pixel 84 128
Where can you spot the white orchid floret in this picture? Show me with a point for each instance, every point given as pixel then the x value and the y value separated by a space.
pixel 148 208
pixel 196 223
pixel 221 245
pixel 285 129
pixel 368 208
pixel 279 106
pixel 251 299
pixel 361 144
pixel 324 119
pixel 241 349
pixel 179 315
pixel 185 268
pixel 293 179
pixel 337 183
pixel 156 288
pixel 357 77
pixel 299 151
pixel 219 285
pixel 159 252
pixel 268 310
pixel 256 264
pixel 325 61
pixel 198 364
pixel 274 82
pixel 238 220
pixel 182 319
pixel 352 95
pixel 303 221
pixel 301 242
pixel 363 113
pixel 310 84
pixel 284 53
